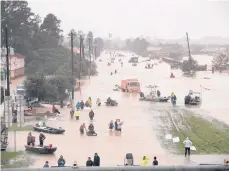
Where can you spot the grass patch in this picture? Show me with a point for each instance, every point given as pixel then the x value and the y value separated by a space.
pixel 15 159
pixel 14 127
pixel 9 155
pixel 206 136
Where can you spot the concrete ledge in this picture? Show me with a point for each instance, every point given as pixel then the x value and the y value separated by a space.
pixel 133 168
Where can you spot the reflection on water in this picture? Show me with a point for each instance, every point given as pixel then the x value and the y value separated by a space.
pixel 138 136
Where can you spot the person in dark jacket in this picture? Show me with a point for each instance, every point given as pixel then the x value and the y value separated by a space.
pixel 111 125
pixel 91 114
pixel 155 162
pixel 82 104
pixel 41 139
pixel 61 161
pixel 116 125
pixel 158 93
pixel 96 160
pixel 89 162
pixel 46 165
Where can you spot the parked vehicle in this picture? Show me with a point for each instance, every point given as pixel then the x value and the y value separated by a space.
pixel 130 85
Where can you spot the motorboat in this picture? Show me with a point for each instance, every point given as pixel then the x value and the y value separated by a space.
pixel 154 99
pixel 134 64
pixel 41 150
pixel 91 134
pixel 189 74
pixel 112 103
pixel 193 98
pixel 153 96
pixel 174 66
pixel 117 88
pixel 133 60
pixel 172 76
pixel 149 66
pixel 47 129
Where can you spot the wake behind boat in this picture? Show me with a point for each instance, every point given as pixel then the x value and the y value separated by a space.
pixel 41 150
pixel 47 129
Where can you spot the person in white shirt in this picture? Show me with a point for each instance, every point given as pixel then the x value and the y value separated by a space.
pixel 187 144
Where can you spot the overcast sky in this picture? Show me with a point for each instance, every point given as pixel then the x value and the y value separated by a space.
pixel 131 18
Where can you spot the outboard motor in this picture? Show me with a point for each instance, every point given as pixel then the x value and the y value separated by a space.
pixel 142 95
pixel 129 160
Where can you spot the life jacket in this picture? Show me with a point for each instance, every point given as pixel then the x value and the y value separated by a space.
pixel 89 102
pixel 77 113
pixel 145 162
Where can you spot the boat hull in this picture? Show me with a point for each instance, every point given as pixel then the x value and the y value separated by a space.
pixel 154 100
pixel 41 150
pixel 113 104
pixel 91 134
pixel 49 130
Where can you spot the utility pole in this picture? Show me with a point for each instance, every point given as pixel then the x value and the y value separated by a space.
pixel 7 63
pixel 83 50
pixel 89 51
pixel 189 52
pixel 72 67
pixel 95 48
pixel 81 53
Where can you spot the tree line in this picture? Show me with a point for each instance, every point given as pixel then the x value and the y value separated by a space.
pixel 42 44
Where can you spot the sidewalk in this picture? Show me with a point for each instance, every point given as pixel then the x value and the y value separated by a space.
pixel 205 159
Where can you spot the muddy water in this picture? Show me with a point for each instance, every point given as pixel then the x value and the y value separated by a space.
pixel 139 136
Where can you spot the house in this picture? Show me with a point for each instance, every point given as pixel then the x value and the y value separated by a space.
pixel 16 65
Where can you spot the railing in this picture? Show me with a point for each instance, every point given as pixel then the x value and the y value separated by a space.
pixel 136 168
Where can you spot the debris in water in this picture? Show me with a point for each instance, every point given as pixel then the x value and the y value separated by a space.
pixel 176 139
pixel 193 148
pixel 168 136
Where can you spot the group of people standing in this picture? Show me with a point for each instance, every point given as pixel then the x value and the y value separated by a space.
pixel 117 125
pixel 31 139
pixel 145 161
pixel 91 128
pixel 80 106
pixel 61 162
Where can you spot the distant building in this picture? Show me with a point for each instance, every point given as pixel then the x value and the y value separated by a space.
pixel 16 65
pixel 214 50
pixel 166 50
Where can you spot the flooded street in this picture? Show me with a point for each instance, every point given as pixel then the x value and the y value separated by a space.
pixel 138 136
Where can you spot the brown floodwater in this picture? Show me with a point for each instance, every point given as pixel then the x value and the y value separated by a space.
pixel 138 136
